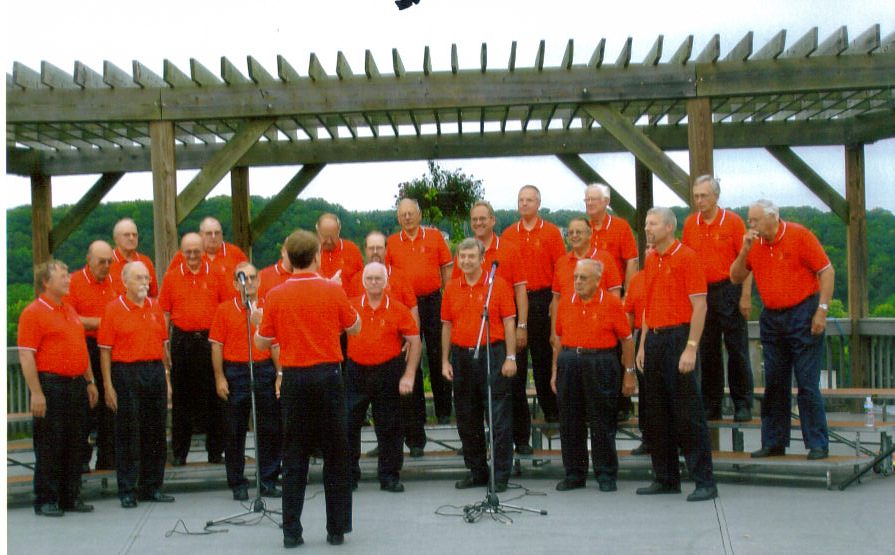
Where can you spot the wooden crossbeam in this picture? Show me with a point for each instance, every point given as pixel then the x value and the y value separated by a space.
pixel 218 166
pixel 281 201
pixel 588 175
pixel 815 183
pixel 84 207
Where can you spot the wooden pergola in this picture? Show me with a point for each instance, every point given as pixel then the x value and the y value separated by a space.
pixel 806 93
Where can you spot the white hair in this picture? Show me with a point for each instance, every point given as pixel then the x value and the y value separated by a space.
pixel 602 188
pixel 769 207
pixel 711 180
pixel 375 267
pixel 131 266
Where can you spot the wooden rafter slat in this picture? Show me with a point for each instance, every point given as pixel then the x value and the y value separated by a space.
pixel 86 78
pixel 258 73
pixel 887 45
pixel 665 108
pixel 682 55
pixel 391 121
pixel 333 133
pixel 568 56
pixel 26 77
pixel 415 123
pixel 65 133
pixel 572 114
pixel 370 68
pixel 833 45
pixel 846 104
pixel 527 118
pixel 11 82
pixel 865 43
pixel 483 57
pixel 231 74
pixel 146 78
pixel 116 77
pixel 624 57
pixel 55 78
pixel 742 50
pixel 437 124
pixel 773 48
pixel 427 61
pixel 397 64
pixel 175 77
pixel 348 125
pixel 511 64
pixel 481 121
pixel 343 69
pixel 93 137
pixel 307 129
pixel 116 135
pixel 202 75
pixel 655 52
pixel 455 60
pixel 374 129
pixel 315 69
pixel 596 58
pixel 186 135
pixel 549 117
pixel 803 47
pixel 711 52
pixel 539 57
pixel 459 121
pixel 503 120
pixel 285 70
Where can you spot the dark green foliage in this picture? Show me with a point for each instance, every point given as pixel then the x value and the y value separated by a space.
pixel 445 197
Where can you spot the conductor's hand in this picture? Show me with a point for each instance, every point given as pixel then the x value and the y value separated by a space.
pixel 222 388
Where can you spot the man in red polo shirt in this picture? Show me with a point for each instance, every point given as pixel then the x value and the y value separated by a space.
pixel 482 221
pixel 716 234
pixel 579 232
pixel 397 286
pixel 126 240
pixel 91 289
pixel 340 259
pixel 191 292
pixel 273 275
pixel 795 279
pixel 422 256
pixel 611 233
pixel 540 245
pixel 222 257
pixel 229 336
pixel 461 315
pixel 590 326
pixel 379 373
pixel 57 369
pixel 305 316
pixel 134 361
pixel 673 319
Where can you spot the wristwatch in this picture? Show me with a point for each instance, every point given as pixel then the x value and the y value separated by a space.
pixel 824 307
pixel 511 357
pixel 629 370
pixel 521 325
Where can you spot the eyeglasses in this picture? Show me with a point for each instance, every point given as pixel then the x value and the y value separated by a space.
pixel 578 232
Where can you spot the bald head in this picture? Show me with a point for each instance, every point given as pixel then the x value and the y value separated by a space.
pixel 328 228
pixel 125 236
pixel 212 235
pixel 409 215
pixel 99 259
pixel 191 248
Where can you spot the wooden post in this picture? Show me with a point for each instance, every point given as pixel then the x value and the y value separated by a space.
pixel 643 179
pixel 856 237
pixel 41 217
pixel 700 138
pixel 164 192
pixel 241 207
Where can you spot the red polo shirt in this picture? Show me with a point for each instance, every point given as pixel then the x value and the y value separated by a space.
pixel 539 248
pixel 599 323
pixel 635 298
pixel 270 277
pixel 420 260
pixel 346 257
pixel 191 299
pixel 462 307
pixel 133 333
pixel 786 269
pixel 616 237
pixel 398 288
pixel 306 315
pixel 509 261
pixel 717 244
pixel 55 334
pixel 229 330
pixel 223 265
pixel 118 263
pixel 88 296
pixel 564 275
pixel 382 331
pixel 671 279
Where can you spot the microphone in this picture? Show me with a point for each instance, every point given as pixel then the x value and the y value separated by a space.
pixel 241 277
pixel 493 272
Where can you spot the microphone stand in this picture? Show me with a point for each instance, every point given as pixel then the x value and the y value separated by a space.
pixel 257 506
pixel 491 504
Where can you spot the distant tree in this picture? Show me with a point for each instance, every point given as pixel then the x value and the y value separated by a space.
pixel 18 296
pixel 444 196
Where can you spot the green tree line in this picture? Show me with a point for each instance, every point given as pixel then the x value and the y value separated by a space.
pixel 303 214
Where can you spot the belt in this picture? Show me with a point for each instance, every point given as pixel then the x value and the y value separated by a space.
pixel 428 295
pixel 196 334
pixel 53 377
pixel 472 349
pixel 541 291
pixel 585 351
pixel 719 283
pixel 669 329
pixel 136 362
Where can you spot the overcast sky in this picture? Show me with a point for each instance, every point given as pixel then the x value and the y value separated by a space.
pixel 93 31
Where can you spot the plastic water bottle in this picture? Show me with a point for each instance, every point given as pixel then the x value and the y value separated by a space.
pixel 869 420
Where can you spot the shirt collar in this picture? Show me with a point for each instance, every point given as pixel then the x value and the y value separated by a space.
pixel 781 230
pixel 129 305
pixel 672 250
pixel 716 221
pixel 539 223
pixel 363 301
pixel 421 234
pixel 184 269
pixel 597 298
pixel 48 302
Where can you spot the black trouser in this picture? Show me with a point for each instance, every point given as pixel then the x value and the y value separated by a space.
pixel 99 418
pixel 641 388
pixel 59 440
pixel 140 449
pixel 315 417
pixel 471 400
pixel 195 402
pixel 237 411
pixel 541 359
pixel 674 418
pixel 723 319
pixel 377 385
pixel 587 385
pixel 414 408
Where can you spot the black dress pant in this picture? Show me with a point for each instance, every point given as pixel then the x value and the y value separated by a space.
pixel 541 363
pixel 674 419
pixel 140 449
pixel 99 418
pixel 587 387
pixel 376 385
pixel 414 407
pixel 312 400
pixel 471 400
pixel 59 440
pixel 195 403
pixel 723 320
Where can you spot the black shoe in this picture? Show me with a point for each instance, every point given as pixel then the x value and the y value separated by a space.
pixel 714 414
pixel 416 452
pixel 179 461
pixel 608 486
pixel 742 414
pixel 128 502
pixel 551 418
pixel 817 453
pixel 642 449
pixel 85 468
pixel 292 541
pixel 215 459
pixel 444 420
pixel 703 494
pixel 156 497
pixel 567 484
pixel 524 449
pixel 241 493
pixel 470 481
pixel 49 509
pixel 657 488
pixel 768 452
pixel 335 539
pixel 79 507
pixel 392 487
pixel 271 491
pixel 374 452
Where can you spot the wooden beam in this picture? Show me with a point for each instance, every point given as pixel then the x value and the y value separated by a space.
pixel 218 166
pixel 241 206
pixel 700 138
pixel 79 212
pixel 824 191
pixel 643 148
pixel 278 204
pixel 856 237
pixel 164 192
pixel 41 217
pixel 643 183
pixel 588 175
